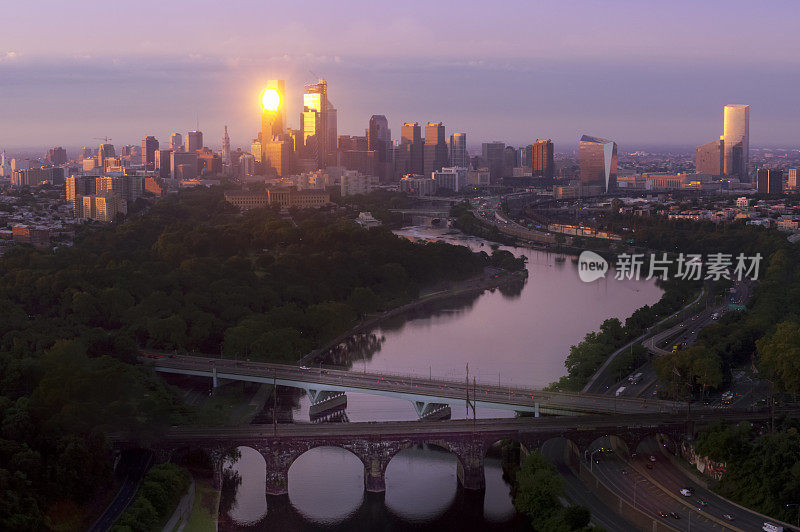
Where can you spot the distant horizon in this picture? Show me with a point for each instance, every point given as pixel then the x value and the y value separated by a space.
pixel 641 73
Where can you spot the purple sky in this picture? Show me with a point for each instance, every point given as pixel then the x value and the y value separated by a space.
pixel 638 71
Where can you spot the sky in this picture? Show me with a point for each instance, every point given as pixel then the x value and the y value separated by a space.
pixel 637 71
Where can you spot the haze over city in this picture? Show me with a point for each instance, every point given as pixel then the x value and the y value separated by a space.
pixel 639 72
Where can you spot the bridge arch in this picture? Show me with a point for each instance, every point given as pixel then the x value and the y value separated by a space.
pixel 329 501
pixel 419 480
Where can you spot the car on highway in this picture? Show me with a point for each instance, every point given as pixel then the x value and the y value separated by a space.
pixel 729 517
pixel 662 514
pixel 624 471
pixel 303 367
pixel 702 502
pixel 649 465
pixel 652 458
pixel 674 515
pixel 687 492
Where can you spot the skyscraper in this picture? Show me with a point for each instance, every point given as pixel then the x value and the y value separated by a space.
pixel 792 178
pixel 272 124
pixel 598 158
pixel 176 142
pixel 410 153
pixel 226 147
pixel 435 149
pixel 458 150
pixel 709 158
pixel 57 155
pixel 492 155
pixel 736 134
pixel 542 164
pixel 149 147
pixel 769 181
pixel 379 140
pixel 105 152
pixel 316 120
pixel 194 141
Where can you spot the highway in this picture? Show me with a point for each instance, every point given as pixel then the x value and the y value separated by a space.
pixel 672 478
pixel 134 465
pixel 578 493
pixel 644 494
pixel 406 387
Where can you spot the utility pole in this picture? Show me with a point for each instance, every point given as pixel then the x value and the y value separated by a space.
pixel 274 406
pixel 467 388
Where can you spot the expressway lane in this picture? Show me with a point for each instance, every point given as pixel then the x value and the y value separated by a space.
pixel 407 387
pixel 648 496
pixel 673 478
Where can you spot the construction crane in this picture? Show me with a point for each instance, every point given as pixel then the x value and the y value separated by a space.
pixel 104 139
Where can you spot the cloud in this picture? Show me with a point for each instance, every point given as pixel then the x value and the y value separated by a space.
pixel 8 56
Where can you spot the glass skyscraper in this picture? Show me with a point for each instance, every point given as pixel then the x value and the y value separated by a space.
pixel 736 134
pixel 598 162
pixel 458 150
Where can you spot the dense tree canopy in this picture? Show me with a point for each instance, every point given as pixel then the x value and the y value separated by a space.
pixel 191 274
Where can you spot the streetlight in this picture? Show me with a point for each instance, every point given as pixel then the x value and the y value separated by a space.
pixel 591 457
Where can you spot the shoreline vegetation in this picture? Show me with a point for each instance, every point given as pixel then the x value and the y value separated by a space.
pixel 490 279
pixel 191 274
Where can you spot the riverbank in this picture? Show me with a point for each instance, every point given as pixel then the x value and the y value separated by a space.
pixel 489 279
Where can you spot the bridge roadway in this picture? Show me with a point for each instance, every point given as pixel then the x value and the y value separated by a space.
pixel 376 443
pixel 420 391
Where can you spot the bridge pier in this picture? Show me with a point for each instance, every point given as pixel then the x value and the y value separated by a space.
pixel 278 459
pixel 471 476
pixel 374 475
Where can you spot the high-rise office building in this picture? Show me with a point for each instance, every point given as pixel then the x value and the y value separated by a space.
pixel 149 148
pixel 318 122
pixel 492 154
pixel 272 104
pixel 379 140
pixel 458 150
pixel 769 181
pixel 709 158
pixel 410 152
pixel 162 163
pixel 194 141
pixel 542 164
pixel 226 147
pixel 598 159
pixel 736 134
pixel 435 149
pixel 176 142
pixel 792 184
pixel 105 152
pixel 57 155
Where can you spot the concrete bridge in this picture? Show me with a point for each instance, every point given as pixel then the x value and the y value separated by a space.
pixel 375 444
pixel 427 394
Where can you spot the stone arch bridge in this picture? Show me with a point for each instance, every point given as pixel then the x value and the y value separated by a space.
pixel 376 443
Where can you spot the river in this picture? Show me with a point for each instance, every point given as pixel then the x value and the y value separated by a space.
pixel 518 335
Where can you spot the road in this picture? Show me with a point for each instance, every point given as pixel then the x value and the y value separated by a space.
pixel 503 427
pixel 577 492
pixel 673 478
pixel 406 387
pixel 134 465
pixel 645 494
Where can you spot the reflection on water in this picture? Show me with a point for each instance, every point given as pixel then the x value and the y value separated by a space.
pixel 518 335
pixel 326 492
pixel 326 484
pixel 421 483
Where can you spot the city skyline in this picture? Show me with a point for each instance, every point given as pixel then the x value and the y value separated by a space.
pixel 513 85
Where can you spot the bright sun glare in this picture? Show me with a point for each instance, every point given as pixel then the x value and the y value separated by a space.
pixel 270 100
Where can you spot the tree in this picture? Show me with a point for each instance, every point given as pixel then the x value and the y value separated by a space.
pixel 780 356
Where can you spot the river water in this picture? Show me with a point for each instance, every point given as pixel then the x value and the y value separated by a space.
pixel 518 335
